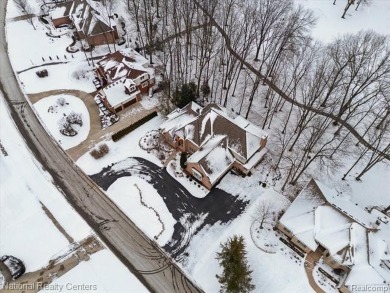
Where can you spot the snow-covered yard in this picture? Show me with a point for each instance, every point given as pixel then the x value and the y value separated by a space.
pixel 25 230
pixel 75 75
pixel 54 111
pixel 144 206
pixel 279 272
pixel 330 24
pixel 103 273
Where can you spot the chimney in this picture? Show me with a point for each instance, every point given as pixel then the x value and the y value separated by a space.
pixel 263 141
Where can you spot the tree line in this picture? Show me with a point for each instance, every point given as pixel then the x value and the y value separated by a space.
pixel 332 100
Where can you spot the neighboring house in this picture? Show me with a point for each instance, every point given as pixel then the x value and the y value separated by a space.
pixel 126 64
pixel 351 238
pixel 215 142
pixel 89 24
pixel 123 77
pixel 91 27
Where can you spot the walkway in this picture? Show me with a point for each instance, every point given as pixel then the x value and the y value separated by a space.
pixel 310 260
pixel 96 134
pixel 172 155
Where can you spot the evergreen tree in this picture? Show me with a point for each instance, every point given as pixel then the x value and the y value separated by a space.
pixel 236 276
pixel 185 94
pixel 183 160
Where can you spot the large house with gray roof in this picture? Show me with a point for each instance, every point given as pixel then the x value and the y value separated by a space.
pixel 214 142
pixel 349 237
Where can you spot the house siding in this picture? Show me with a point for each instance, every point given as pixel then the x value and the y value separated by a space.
pixel 205 181
pixel 61 21
pixel 292 238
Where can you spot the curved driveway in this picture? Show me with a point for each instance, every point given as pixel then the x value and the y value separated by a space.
pixel 140 255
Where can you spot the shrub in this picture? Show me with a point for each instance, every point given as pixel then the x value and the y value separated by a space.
pixel 74 118
pixel 100 151
pixel 61 101
pixel 183 160
pixel 121 133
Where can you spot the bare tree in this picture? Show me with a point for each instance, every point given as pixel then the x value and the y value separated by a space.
pixel 263 213
pixel 24 7
pixel 349 3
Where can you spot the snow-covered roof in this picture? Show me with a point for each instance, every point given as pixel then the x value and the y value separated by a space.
pixel 243 136
pixel 332 229
pixel 177 122
pixel 300 216
pixel 256 158
pixel 58 12
pixel 353 236
pixel 217 163
pixel 126 62
pixel 116 95
pixel 206 148
pixel 347 207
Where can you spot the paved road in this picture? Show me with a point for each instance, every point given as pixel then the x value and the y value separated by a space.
pixel 140 255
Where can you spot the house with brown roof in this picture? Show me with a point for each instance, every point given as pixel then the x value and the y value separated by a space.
pixel 92 27
pixel 89 24
pixel 214 142
pixel 350 238
pixel 123 76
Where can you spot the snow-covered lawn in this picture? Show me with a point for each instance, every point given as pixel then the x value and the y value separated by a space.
pixel 60 76
pixel 51 113
pixel 103 273
pixel 36 45
pixel 330 24
pixel 12 11
pixel 26 232
pixel 280 272
pixel 128 146
pixel 153 217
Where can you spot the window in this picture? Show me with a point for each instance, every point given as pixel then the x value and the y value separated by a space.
pixel 196 174
pixel 144 84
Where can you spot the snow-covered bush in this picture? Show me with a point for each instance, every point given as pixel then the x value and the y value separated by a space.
pixel 66 122
pixel 61 101
pixel 79 73
pixel 74 118
pixel 14 264
pixel 66 128
pixel 100 151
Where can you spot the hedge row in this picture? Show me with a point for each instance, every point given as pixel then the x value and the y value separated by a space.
pixel 121 133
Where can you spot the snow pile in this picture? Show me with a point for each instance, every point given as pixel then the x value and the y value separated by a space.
pixel 51 113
